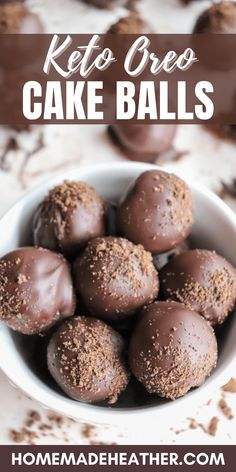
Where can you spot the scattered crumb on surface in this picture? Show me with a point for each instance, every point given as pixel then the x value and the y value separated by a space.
pixel 179 431
pixel 101 443
pixel 230 386
pixel 35 428
pixel 32 418
pixel 213 426
pixel 209 402
pixel 23 435
pixel 11 145
pixel 193 424
pixel 88 430
pixel 225 409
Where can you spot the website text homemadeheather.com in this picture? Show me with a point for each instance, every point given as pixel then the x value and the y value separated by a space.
pixel 123 458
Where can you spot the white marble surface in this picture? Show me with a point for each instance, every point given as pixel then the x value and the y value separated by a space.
pixel 208 160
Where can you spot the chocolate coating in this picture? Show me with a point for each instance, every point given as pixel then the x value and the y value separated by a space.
pixel 172 349
pixel 115 278
pixel 36 290
pixel 142 142
pixel 160 260
pixel 86 359
pixel 203 281
pixel 2 2
pixel 157 211
pixel 130 24
pixel 109 4
pixel 223 131
pixel 219 18
pixel 186 2
pixel 16 18
pixel 111 220
pixel 70 215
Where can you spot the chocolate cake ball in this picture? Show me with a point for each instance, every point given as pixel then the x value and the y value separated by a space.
pixel 223 131
pixel 203 281
pixel 16 18
pixel 186 2
pixel 142 142
pixel 36 290
pixel 86 359
pixel 108 4
pixel 70 215
pixel 115 278
pixel 172 349
pixel 157 211
pixel 218 18
pixel 11 1
pixel 130 24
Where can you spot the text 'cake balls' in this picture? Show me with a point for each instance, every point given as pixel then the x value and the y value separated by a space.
pixel 115 277
pixel 172 349
pixel 71 214
pixel 36 290
pixel 156 211
pixel 86 359
pixel 203 281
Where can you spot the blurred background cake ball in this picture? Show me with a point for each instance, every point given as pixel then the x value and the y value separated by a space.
pixel 133 23
pixel 142 142
pixel 16 57
pixel 219 18
pixel 15 17
pixel 109 4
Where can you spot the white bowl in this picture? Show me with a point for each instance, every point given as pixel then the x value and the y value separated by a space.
pixel 214 228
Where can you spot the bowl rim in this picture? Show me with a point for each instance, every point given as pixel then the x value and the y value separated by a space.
pixel 88 412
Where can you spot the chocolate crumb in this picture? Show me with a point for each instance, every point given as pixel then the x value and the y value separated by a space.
pixel 11 145
pixel 230 386
pixel 35 427
pixel 213 426
pixel 226 410
pixel 102 443
pixel 23 435
pixel 21 278
pixel 32 418
pixel 193 424
pixel 88 430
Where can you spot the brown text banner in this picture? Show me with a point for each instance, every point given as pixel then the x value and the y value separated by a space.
pixel 102 458
pixel 115 77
